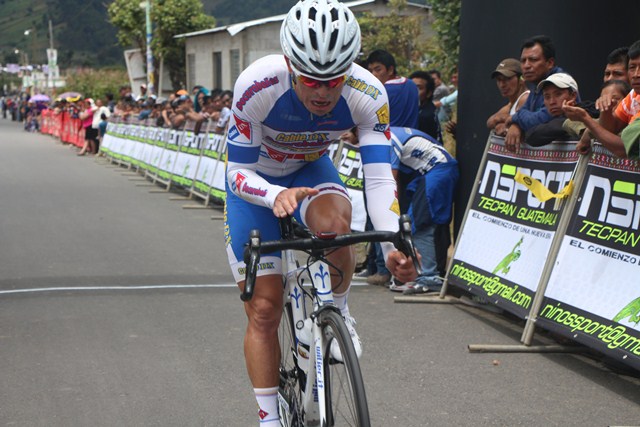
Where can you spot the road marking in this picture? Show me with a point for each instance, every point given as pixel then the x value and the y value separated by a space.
pixel 124 288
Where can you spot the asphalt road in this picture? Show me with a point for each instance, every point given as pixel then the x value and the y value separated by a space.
pixel 117 308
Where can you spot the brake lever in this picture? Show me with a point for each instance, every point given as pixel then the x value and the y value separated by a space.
pixel 404 242
pixel 251 260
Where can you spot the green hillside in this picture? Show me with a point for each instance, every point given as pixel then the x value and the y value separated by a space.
pixel 81 32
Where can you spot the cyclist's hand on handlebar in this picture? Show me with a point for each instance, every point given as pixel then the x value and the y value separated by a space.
pixel 287 200
pixel 401 267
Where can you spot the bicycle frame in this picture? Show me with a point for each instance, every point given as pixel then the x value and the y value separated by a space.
pixel 318 274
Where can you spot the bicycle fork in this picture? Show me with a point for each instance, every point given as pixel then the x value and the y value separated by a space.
pixel 313 404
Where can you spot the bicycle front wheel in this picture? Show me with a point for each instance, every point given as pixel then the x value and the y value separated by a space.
pixel 292 379
pixel 345 396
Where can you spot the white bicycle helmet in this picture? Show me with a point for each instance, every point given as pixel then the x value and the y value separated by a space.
pixel 321 38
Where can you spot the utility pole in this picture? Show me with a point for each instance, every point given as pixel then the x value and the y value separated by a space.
pixel 150 70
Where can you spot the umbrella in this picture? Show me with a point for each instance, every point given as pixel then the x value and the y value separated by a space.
pixel 39 97
pixel 70 95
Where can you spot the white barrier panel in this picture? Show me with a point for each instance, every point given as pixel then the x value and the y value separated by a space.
pixel 507 232
pixel 593 294
pixel 347 160
pixel 210 178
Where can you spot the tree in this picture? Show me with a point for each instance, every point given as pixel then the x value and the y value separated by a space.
pixel 170 17
pixel 96 83
pixel 445 48
pixel 396 34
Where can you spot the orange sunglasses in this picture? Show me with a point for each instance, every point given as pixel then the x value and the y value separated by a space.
pixel 314 84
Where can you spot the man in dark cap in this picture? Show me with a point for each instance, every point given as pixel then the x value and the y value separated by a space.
pixel 508 76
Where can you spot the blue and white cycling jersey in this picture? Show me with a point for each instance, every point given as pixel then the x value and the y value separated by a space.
pixel 272 135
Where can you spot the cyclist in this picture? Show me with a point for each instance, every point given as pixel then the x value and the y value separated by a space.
pixel 286 112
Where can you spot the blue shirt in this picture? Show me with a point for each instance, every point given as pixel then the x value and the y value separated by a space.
pixel 404 102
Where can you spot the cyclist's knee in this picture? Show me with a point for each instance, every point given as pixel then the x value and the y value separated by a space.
pixel 264 314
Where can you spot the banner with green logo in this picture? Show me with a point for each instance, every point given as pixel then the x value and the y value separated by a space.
pixel 508 230
pixel 593 294
pixel 346 157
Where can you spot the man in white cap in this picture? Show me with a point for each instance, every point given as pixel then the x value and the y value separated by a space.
pixel 557 89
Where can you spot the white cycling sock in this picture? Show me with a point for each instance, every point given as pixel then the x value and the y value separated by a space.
pixel 340 301
pixel 268 403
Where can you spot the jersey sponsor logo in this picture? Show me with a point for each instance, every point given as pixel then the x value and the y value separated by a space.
pixel 395 206
pixel 256 87
pixel 304 139
pixel 239 180
pixel 380 127
pixel 240 132
pixel 383 114
pixel 362 86
pixel 252 191
pixel 281 157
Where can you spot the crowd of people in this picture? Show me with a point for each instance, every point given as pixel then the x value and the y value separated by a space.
pixel 544 102
pixel 203 106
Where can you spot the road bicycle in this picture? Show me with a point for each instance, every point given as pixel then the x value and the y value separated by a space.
pixel 317 388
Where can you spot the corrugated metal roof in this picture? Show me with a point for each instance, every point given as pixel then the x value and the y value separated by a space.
pixel 234 29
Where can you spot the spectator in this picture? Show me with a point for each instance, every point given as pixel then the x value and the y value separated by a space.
pixel 166 114
pixel 441 90
pixel 146 109
pixel 402 92
pixel 433 177
pixel 508 76
pixel 403 111
pixel 111 104
pixel 558 89
pixel 100 110
pixel 617 67
pixel 183 111
pixel 143 93
pixel 90 134
pixel 538 61
pixel 198 102
pixel 102 130
pixel 226 99
pixel 427 119
pixel 576 121
pixel 446 104
pixel 614 117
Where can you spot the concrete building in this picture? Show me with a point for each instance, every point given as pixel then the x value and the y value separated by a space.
pixel 216 57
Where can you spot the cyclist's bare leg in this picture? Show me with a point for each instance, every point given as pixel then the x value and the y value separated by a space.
pixel 261 348
pixel 332 212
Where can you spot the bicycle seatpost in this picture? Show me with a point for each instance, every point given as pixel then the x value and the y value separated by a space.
pixel 251 260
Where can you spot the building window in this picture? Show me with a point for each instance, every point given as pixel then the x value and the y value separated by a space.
pixel 234 59
pixel 191 70
pixel 217 70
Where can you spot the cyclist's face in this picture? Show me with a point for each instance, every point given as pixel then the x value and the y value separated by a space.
pixel 318 100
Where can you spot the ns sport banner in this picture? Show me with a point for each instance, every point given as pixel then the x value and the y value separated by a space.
pixel 593 294
pixel 346 157
pixel 508 232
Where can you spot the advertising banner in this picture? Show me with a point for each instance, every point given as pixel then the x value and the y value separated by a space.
pixel 187 160
pixel 169 154
pixel 210 178
pixel 593 294
pixel 508 231
pixel 349 167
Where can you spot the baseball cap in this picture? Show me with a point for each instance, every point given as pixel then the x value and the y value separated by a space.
pixel 182 92
pixel 561 80
pixel 508 67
